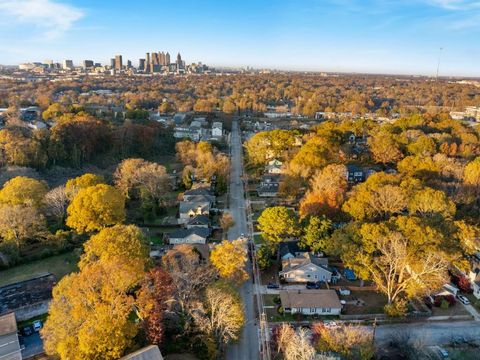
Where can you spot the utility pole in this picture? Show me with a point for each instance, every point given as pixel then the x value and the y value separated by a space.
pixel 438 64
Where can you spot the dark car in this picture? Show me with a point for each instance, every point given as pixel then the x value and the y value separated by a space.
pixel 313 285
pixel 26 331
pixel 273 286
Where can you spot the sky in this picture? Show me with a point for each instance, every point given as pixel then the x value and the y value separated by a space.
pixel 373 36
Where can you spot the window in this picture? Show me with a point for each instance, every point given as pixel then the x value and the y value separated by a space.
pixel 308 275
pixel 312 310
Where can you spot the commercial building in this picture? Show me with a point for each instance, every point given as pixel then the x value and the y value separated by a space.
pixel 118 62
pixel 67 64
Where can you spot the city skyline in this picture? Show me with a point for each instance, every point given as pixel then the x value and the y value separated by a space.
pixel 372 36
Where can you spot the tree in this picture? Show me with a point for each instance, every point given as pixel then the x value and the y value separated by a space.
pixel 153 301
pixel 264 257
pixel 328 188
pixel 226 221
pixel 423 146
pixel 73 186
pixel 19 223
pixel 23 191
pixel 277 223
pixel 123 244
pixel 229 257
pixel 379 197
pixel 96 207
pixel 190 275
pixel 471 176
pixel 316 233
pixel 221 317
pixel 56 202
pixel 430 202
pixel 294 345
pixel 90 315
pixel 350 341
pixel 422 167
pixel 384 147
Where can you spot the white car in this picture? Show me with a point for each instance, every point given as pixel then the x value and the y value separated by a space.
pixel 463 300
pixel 37 325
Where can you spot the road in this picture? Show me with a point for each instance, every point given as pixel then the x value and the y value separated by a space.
pixel 427 334
pixel 247 347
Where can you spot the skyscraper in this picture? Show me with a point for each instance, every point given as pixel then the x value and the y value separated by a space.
pixel 129 64
pixel 118 62
pixel 87 64
pixel 163 62
pixel 148 63
pixel 179 61
pixel 67 64
pixel 112 63
pixel 167 58
pixel 141 64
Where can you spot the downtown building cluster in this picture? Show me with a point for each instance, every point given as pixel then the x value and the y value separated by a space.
pixel 153 63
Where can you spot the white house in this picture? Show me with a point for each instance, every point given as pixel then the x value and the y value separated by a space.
pixel 474 274
pixel 194 235
pixel 305 267
pixel 311 302
pixel 217 129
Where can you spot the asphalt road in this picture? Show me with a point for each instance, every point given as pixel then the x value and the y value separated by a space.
pixel 247 348
pixel 427 334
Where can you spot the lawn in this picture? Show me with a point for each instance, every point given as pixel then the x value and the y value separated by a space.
pixel 369 302
pixel 59 265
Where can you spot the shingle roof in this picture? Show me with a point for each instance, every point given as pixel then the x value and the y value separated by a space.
pixel 183 233
pixel 310 299
pixel 199 220
pixel 147 353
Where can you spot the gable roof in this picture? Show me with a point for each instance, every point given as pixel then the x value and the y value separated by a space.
pixel 302 260
pixel 289 247
pixel 198 191
pixel 186 206
pixel 310 299
pixel 183 233
pixel 199 220
pixel 151 352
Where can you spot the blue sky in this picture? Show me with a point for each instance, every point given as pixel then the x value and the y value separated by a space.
pixel 379 36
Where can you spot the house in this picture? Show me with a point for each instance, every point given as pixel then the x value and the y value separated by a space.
pixel 192 133
pixel 199 191
pixel 194 235
pixel 355 174
pixel 289 249
pixel 180 118
pixel 269 186
pixel 311 302
pixel 305 267
pixel 151 352
pixel 217 129
pixel 201 198
pixel 274 167
pixel 9 344
pixel 198 221
pixel 27 298
pixel 474 274
pixel 189 210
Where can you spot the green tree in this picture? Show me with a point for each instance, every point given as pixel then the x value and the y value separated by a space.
pixel 316 233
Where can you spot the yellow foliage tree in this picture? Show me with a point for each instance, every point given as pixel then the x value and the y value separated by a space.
pixel 22 190
pixel 73 186
pixel 96 207
pixel 229 257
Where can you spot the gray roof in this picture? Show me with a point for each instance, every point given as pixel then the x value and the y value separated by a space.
pixel 147 353
pixel 183 233
pixel 199 220
pixel 198 191
pixel 186 206
pixel 310 299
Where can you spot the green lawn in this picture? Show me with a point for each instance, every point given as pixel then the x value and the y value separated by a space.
pixel 59 265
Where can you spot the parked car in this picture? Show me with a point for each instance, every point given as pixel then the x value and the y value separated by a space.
pixel 330 324
pixel 463 300
pixel 344 291
pixel 26 331
pixel 37 325
pixel 313 285
pixel 443 353
pixel 273 286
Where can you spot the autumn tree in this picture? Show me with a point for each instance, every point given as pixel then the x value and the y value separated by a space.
pixel 385 148
pixel 277 223
pixel 23 191
pixel 19 223
pixel 294 345
pixel 226 221
pixel 316 232
pixel 56 202
pixel 153 300
pixel 221 318
pixel 229 257
pixel 471 175
pixel 73 186
pixel 119 243
pixel 96 207
pixel 90 314
pixel 328 188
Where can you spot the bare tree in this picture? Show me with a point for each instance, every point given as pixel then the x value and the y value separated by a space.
pixel 20 222
pixel 294 345
pixel 56 202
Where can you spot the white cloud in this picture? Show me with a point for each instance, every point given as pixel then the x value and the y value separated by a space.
pixel 52 16
pixel 460 5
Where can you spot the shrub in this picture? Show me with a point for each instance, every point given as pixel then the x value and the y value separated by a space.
pixel 396 309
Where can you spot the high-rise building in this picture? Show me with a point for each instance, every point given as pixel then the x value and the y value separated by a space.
pixel 141 64
pixel 112 63
pixel 179 61
pixel 87 64
pixel 118 62
pixel 148 63
pixel 67 64
pixel 167 58
pixel 163 62
pixel 129 64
